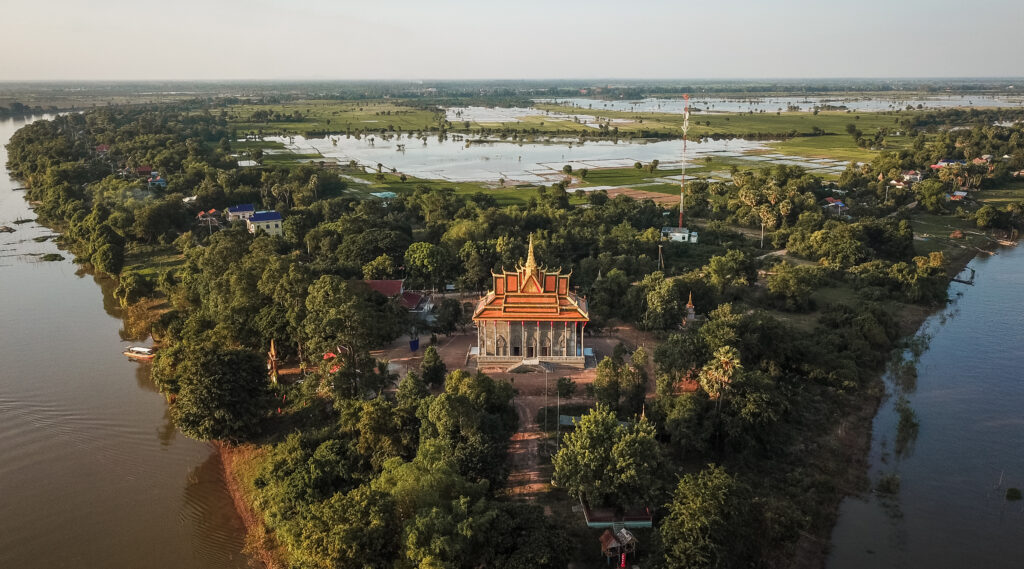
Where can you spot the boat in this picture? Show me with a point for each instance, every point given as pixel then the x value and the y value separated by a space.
pixel 139 353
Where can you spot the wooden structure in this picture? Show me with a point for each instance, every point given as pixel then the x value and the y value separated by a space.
pixel 618 543
pixel 530 316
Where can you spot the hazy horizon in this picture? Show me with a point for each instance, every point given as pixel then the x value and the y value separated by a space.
pixel 402 40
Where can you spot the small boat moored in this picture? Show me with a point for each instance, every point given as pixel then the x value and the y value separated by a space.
pixel 139 353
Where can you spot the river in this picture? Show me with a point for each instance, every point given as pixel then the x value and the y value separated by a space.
pixel 93 472
pixel 951 510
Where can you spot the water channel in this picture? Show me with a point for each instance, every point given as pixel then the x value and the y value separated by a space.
pixel 93 472
pixel 951 510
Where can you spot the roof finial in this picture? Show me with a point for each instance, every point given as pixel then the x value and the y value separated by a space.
pixel 689 303
pixel 531 263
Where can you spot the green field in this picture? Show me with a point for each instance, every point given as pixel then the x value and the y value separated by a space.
pixel 332 116
pixel 151 260
pixel 739 123
pixel 393 183
pixel 1011 192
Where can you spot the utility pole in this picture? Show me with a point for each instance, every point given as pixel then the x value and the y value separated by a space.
pixel 682 180
pixel 546 399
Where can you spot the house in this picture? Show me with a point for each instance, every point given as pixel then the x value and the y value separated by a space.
pixel 958 196
pixel 156 181
pixel 943 163
pixel 240 212
pixel 102 148
pixel 912 176
pixel 395 288
pixel 898 185
pixel 268 221
pixel 143 170
pixel 981 160
pixel 679 234
pixel 531 317
pixel 835 206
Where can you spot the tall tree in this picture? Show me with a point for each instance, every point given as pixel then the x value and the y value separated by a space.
pixel 223 394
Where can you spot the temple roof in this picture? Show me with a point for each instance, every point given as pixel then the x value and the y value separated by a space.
pixel 531 293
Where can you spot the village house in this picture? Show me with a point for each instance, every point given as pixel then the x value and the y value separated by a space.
pixel 835 207
pixel 268 221
pixel 530 316
pixel 679 234
pixel 414 302
pixel 912 176
pixel 156 181
pixel 241 212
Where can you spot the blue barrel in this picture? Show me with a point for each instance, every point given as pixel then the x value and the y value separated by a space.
pixel 414 344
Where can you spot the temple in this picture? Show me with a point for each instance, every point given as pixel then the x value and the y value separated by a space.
pixel 530 315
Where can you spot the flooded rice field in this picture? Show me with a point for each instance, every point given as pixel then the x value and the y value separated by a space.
pixel 460 159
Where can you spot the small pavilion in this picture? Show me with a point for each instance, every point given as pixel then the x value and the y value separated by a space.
pixel 530 316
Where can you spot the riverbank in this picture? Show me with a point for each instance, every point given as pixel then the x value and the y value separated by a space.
pixel 951 508
pixel 855 432
pixel 259 543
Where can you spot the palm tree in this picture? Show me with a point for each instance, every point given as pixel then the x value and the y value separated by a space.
pixel 718 373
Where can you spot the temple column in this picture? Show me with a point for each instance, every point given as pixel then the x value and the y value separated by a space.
pixel 582 330
pixel 536 340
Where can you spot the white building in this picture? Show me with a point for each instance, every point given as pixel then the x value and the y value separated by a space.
pixel 679 234
pixel 268 221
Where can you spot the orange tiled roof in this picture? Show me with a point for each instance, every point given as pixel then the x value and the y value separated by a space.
pixel 531 293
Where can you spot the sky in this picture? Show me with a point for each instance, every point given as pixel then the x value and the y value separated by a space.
pixel 495 39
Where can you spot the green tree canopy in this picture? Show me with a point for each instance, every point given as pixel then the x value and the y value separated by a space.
pixel 608 463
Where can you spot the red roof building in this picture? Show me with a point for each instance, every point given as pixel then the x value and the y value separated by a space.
pixel 411 301
pixel 531 315
pixel 388 288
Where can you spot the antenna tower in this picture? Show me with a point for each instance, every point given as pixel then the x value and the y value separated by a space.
pixel 682 180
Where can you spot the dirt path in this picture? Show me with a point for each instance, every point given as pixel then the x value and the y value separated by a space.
pixel 526 480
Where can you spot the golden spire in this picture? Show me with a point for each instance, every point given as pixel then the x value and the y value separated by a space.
pixel 689 303
pixel 531 263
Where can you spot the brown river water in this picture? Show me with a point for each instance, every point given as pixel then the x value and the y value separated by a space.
pixel 92 471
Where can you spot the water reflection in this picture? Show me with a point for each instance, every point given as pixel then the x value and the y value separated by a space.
pixel 83 480
pixel 939 498
pixel 209 511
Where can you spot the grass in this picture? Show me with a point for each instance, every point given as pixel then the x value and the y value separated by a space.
pixel 393 183
pixel 151 260
pixel 737 123
pixel 333 116
pixel 1010 192
pixel 837 147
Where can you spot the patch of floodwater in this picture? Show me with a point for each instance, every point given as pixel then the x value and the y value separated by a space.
pixel 706 105
pixel 519 114
pixel 490 161
pixel 353 179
